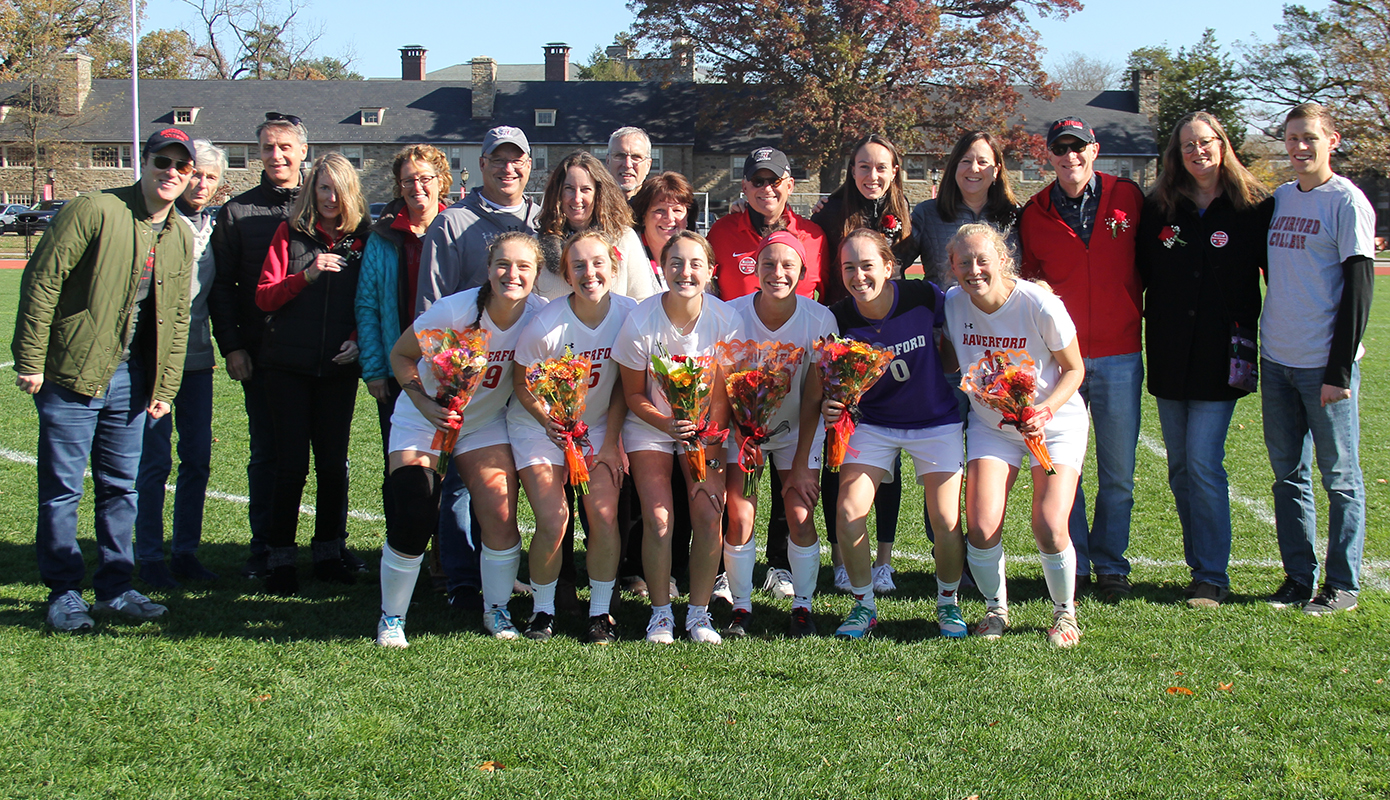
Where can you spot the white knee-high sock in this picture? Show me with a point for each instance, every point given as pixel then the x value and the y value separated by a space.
pixel 805 563
pixel 543 595
pixel 398 575
pixel 1059 570
pixel 988 568
pixel 738 566
pixel 600 596
pixel 499 569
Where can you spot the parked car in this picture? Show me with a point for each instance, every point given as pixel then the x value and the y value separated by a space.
pixel 375 209
pixel 8 214
pixel 36 219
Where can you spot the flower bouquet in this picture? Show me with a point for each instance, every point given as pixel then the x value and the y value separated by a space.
pixel 561 385
pixel 1009 387
pixel 686 383
pixel 758 376
pixel 457 360
pixel 848 368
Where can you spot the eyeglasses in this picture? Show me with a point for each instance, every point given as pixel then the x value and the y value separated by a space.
pixel 515 163
pixel 165 162
pixel 425 181
pixel 276 116
pixel 627 158
pixel 1189 148
pixel 1062 148
pixel 762 183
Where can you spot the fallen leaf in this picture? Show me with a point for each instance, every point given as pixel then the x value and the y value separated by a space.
pixel 1225 687
pixel 1183 690
pixel 992 724
pixel 1179 672
pixel 1380 480
pixel 826 760
pixel 730 721
pixel 262 698
pixel 900 718
pixel 973 797
pixel 1344 670
pixel 490 766
pixel 1242 427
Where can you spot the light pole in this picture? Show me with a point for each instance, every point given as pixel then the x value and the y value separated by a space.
pixel 134 92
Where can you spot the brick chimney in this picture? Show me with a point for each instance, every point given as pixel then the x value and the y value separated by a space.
pixel 412 63
pixel 557 61
pixel 484 86
pixel 74 83
pixel 1144 84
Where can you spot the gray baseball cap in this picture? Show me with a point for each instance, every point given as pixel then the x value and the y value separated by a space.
pixel 505 134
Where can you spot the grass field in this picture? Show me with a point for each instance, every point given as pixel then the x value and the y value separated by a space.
pixel 240 695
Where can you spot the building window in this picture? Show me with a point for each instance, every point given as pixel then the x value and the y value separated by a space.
pixel 736 170
pixel 456 159
pixel 540 161
pixel 799 173
pixel 545 118
pixel 236 156
pixel 372 116
pixel 111 156
pixel 600 152
pixel 21 199
pixel 1122 167
pixel 916 170
pixel 353 153
pixel 186 115
pixel 658 163
pixel 19 156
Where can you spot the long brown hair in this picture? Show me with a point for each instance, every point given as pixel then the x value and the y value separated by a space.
pixel 611 212
pixel 1001 206
pixel 304 214
pixel 852 201
pixel 1243 189
pixel 485 291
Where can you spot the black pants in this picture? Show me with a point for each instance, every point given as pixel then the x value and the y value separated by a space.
pixel 384 409
pixel 310 412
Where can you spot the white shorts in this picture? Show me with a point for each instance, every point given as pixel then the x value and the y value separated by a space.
pixel 1066 443
pixel 531 447
pixel 781 450
pixel 639 436
pixel 410 430
pixel 937 449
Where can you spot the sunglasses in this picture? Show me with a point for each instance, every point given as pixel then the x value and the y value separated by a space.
pixel 165 162
pixel 1061 148
pixel 276 116
pixel 761 183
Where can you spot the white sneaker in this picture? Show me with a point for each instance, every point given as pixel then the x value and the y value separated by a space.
pixel 721 589
pixel 390 632
pixel 68 612
pixel 661 629
pixel 131 605
pixel 498 622
pixel 778 583
pixel 701 629
pixel 842 578
pixel 883 579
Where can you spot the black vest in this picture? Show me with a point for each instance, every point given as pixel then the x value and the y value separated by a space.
pixel 304 335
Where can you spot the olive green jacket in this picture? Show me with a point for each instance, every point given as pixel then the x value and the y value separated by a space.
pixel 77 296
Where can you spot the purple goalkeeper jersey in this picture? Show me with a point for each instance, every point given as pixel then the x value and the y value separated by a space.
pixel 913 392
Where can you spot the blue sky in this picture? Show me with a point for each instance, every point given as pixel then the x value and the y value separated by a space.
pixel 453 32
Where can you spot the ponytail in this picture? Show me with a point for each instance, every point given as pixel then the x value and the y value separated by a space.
pixel 484 295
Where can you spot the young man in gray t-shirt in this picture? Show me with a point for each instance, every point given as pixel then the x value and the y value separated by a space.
pixel 1321 275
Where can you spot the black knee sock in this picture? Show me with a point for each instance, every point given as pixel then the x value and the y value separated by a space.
pixel 415 490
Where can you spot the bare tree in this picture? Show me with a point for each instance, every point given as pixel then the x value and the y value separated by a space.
pixel 258 39
pixel 1082 73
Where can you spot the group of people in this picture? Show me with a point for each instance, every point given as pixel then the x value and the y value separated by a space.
pixel 304 295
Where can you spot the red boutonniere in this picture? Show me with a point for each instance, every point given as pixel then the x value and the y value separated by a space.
pixel 1119 221
pixel 891 226
pixel 1169 236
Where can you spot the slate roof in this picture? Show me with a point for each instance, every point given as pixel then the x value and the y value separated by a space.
pixel 463 73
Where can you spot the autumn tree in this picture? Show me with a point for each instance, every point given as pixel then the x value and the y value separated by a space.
pixel 1080 72
pixel 1200 78
pixel 826 72
pixel 33 32
pixel 1340 57
pixel 162 54
pixel 600 67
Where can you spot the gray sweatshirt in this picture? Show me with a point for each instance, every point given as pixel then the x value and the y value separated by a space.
pixel 455 247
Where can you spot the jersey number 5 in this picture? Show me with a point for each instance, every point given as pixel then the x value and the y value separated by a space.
pixel 900 371
pixel 593 375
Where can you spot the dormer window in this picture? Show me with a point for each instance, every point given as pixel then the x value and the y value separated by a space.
pixel 372 116
pixel 545 118
pixel 186 115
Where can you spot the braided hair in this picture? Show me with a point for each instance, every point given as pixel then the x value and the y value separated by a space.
pixel 485 291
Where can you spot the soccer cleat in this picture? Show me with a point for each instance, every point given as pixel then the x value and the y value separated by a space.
pixel 1291 594
pixel 390 632
pixel 860 623
pixel 721 589
pixel 466 600
pixel 738 624
pixel 602 630
pixel 1331 600
pixel 802 625
pixel 883 579
pixel 353 563
pixel 540 628
pixel 661 629
pixel 69 612
pixel 498 622
pixel 701 629
pixel 842 578
pixel 951 623
pixel 131 605
pixel 778 583
pixel 1064 631
pixel 994 624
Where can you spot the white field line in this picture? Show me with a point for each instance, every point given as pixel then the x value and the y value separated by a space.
pixel 7 364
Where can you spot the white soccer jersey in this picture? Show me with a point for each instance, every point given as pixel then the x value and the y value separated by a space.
pixel 554 328
pixel 648 326
pixel 811 321
pixel 458 311
pixel 1032 320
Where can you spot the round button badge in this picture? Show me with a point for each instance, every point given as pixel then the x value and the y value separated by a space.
pixel 747 265
pixel 1219 239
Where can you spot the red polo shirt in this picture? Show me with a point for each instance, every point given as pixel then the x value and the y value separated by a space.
pixel 735 246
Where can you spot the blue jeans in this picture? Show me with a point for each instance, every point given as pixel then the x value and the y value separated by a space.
pixel 1111 391
pixel 192 415
pixel 459 549
pixel 1296 425
pixel 1194 431
pixel 106 430
pixel 260 470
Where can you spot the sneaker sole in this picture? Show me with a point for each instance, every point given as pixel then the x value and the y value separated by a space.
pixel 392 645
pixel 1323 611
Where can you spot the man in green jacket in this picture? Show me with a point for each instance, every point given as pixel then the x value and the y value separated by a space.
pixel 99 342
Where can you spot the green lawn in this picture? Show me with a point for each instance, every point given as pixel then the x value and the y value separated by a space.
pixel 240 695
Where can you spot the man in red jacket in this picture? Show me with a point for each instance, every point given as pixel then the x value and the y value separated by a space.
pixel 1078 235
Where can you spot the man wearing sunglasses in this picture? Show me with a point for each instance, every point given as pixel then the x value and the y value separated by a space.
pixel 767 185
pixel 1078 235
pixel 99 342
